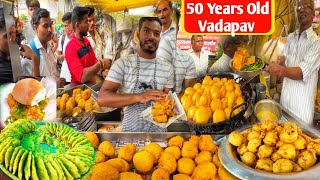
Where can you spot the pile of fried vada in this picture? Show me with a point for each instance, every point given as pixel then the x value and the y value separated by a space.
pixel 276 148
pixel 79 101
pixel 162 110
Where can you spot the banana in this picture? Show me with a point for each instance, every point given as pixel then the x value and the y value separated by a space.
pixel 8 156
pixel 82 167
pixel 34 175
pixel 28 166
pixel 41 169
pixel 53 174
pixel 22 163
pixel 70 166
pixel 66 172
pixel 16 161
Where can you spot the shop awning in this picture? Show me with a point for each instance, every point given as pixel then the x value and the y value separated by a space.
pixel 120 5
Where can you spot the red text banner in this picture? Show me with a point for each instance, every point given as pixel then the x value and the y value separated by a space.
pixel 228 16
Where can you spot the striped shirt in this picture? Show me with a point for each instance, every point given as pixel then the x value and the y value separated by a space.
pixel 201 63
pixel 221 65
pixel 124 71
pixel 184 68
pixel 298 96
pixel 167 44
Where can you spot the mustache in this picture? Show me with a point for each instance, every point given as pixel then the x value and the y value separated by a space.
pixel 150 41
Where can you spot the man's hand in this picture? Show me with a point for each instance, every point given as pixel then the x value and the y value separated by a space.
pixel 27 52
pixel 105 73
pixel 106 63
pixel 151 95
pixel 60 82
pixel 281 60
pixel 275 69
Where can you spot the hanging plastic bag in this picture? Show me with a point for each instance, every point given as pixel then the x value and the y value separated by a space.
pixel 272 49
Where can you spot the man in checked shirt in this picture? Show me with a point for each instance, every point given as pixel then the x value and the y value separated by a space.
pixel 300 65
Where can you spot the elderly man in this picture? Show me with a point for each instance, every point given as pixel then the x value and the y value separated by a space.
pixel 140 78
pixel 199 55
pixel 230 46
pixel 167 44
pixel 300 65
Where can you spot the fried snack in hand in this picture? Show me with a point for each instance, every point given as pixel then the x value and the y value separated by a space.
pixel 163 109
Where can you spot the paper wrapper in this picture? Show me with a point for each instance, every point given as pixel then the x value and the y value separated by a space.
pixel 178 110
pixel 49 84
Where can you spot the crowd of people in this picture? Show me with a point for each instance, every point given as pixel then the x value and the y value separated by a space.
pixel 158 66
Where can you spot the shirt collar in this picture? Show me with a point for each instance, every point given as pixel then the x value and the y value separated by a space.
pixel 171 28
pixel 38 43
pixel 307 33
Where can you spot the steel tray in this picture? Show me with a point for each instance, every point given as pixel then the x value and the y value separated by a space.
pixel 228 157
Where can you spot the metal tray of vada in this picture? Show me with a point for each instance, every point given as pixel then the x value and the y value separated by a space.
pixel 230 159
pixel 92 95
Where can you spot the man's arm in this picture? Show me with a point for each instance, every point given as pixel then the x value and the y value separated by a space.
pixel 27 52
pixel 108 97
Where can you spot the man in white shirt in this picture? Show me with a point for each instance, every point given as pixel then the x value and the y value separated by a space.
pixel 28 31
pixel 63 41
pixel 199 55
pixel 95 39
pixel 167 44
pixel 230 46
pixel 42 24
pixel 300 65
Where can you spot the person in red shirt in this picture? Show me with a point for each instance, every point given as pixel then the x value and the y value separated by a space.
pixel 80 57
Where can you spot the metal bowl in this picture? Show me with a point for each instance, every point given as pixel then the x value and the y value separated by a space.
pixel 229 125
pixel 268 105
pixel 229 159
pixel 246 74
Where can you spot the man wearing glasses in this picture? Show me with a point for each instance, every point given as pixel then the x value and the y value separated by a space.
pixel 230 46
pixel 300 65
